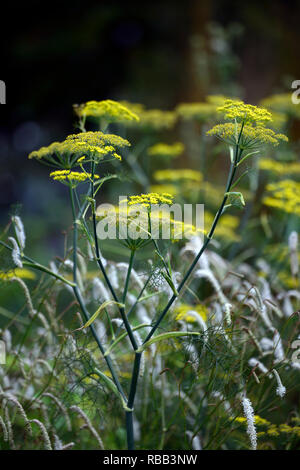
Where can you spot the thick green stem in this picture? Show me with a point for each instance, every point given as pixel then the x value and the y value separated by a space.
pixel 130 402
pixel 128 275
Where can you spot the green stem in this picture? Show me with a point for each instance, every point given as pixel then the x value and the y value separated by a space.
pixel 130 402
pixel 132 253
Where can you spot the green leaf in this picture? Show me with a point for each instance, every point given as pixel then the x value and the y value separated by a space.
pixel 163 336
pixel 170 282
pixel 98 311
pixel 236 199
pixel 247 156
pixel 122 336
pixel 110 384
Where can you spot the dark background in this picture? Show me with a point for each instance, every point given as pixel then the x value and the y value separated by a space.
pixel 156 53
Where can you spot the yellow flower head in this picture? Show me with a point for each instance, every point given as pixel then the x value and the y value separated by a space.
pixel 165 150
pixel 137 214
pixel 279 168
pixel 152 119
pixel 151 198
pixel 234 109
pixel 68 153
pixel 284 195
pixel 282 103
pixel 108 110
pixel 248 126
pixel 189 312
pixel 178 175
pixel 197 111
pixel 163 188
pixel 252 136
pixel 73 177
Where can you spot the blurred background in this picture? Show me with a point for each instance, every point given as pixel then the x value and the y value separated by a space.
pixel 156 53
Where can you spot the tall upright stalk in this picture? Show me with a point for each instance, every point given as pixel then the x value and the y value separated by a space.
pixel 137 360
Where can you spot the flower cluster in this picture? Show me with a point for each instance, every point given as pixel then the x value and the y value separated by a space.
pixel 108 110
pixel 151 198
pixel 285 195
pixel 197 111
pixel 226 228
pixel 189 313
pixel 165 150
pixel 242 112
pixel 73 177
pixel 252 136
pixel 201 111
pixel 248 127
pixel 151 119
pixel 271 429
pixel 279 168
pixel 282 103
pixel 163 188
pixel 178 175
pixel 88 144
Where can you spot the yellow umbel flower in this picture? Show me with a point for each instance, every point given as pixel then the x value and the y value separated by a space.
pixel 284 195
pixel 279 168
pixel 273 431
pixel 153 119
pixel 252 136
pixel 240 111
pixel 201 111
pixel 95 145
pixel 108 110
pixel 151 198
pixel 248 127
pixel 197 111
pixel 185 312
pixel 73 177
pixel 178 175
pixel 165 150
pixel 137 214
pixel 257 419
pixel 226 228
pixel 163 188
pixel 282 103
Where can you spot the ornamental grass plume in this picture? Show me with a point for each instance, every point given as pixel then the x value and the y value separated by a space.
pixel 249 415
